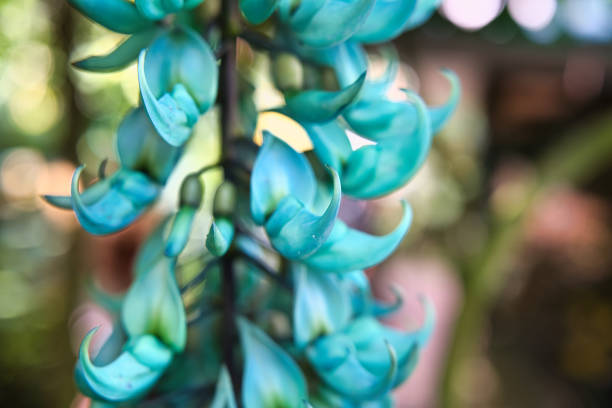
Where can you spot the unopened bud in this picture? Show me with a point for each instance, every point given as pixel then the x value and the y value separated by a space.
pixel 192 191
pixel 225 200
pixel 288 72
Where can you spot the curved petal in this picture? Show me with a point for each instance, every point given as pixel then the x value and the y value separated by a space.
pixel 295 232
pixel 422 12
pixel 348 249
pixel 130 376
pixel 116 15
pixel 440 114
pixel 321 306
pixel 152 9
pixel 279 171
pixel 334 22
pixel 181 56
pixel 170 121
pixel 140 147
pixel 271 377
pixel 122 56
pixel 257 11
pixel 180 231
pixel 220 236
pixel 376 170
pixel 322 106
pixel 224 395
pixel 330 142
pixel 386 21
pixel 128 195
pixel 351 378
pixel 378 118
pixel 153 305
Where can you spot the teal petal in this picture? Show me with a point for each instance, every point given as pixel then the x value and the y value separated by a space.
pixel 130 376
pixel 166 115
pixel 376 170
pixel 127 194
pixel 153 305
pixel 152 249
pixel 116 15
pixel 320 308
pixel 140 148
pixel 422 12
pixel 362 299
pixel 295 232
pixel 152 9
pixel 322 106
pixel 181 56
pixel 377 118
pixel 224 395
pixel 220 236
pixel 441 114
pixel 271 378
pixel 330 143
pixel 122 56
pixel 180 231
pixel 257 11
pixel 386 21
pixel 178 78
pixel 278 172
pixel 324 397
pixel 348 376
pixel 334 22
pixel 347 249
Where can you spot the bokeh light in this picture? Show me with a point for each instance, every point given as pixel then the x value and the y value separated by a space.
pixel 471 14
pixel 532 15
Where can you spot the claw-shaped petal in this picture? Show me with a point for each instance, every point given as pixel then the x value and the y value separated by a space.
pixel 178 78
pixel 224 395
pixel 141 148
pixel 333 22
pixel 376 170
pixel 153 304
pixel 257 11
pixel 320 308
pixel 220 236
pixel 295 232
pixel 362 299
pixel 322 106
pixel 130 376
pixel 122 56
pixel 271 377
pixel 158 9
pixel 115 203
pixel 378 118
pixel 349 377
pixel 121 16
pixel 278 172
pixel 347 249
pixel 330 142
pixel 386 21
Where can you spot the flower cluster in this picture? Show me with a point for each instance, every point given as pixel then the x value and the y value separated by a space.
pixel 286 306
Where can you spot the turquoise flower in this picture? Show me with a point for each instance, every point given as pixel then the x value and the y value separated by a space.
pixel 114 202
pixel 154 319
pixel 271 378
pixel 178 78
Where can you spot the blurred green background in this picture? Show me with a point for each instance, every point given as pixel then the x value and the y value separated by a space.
pixel 513 224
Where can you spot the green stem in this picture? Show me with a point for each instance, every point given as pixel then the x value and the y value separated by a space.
pixel 584 153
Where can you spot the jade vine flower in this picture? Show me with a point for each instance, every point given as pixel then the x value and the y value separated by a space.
pixel 273 300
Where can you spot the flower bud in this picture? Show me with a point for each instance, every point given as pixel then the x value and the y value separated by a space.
pixel 287 72
pixel 225 200
pixel 192 191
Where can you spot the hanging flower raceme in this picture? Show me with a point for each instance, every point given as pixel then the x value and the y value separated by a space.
pixel 154 319
pixel 276 300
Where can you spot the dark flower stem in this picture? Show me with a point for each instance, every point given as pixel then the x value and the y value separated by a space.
pixel 228 99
